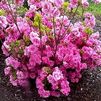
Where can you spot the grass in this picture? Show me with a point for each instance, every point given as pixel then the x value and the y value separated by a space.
pixel 93 8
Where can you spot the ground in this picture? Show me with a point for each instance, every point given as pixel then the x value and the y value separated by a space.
pixel 88 89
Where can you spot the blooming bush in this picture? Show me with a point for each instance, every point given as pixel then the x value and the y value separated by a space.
pixel 45 46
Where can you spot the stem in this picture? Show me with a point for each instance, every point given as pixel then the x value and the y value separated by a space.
pixel 11 12
pixel 40 40
pixel 74 13
pixel 55 40
pixel 82 12
pixel 61 26
pixel 69 22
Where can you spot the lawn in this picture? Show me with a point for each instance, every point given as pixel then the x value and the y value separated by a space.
pixel 95 9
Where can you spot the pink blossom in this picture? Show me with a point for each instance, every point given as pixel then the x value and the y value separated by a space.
pixel 54 93
pixel 97 1
pixel 10 61
pixel 7 70
pixel 13 81
pixel 89 20
pixel 21 75
pixel 56 52
pixel 3 21
pixel 57 74
pixel 58 3
pixel 51 80
pixel 74 1
pixel 32 75
pixel 85 3
pixel 34 38
pixel 31 12
pixel 46 7
pixel 5 48
pixel 19 2
pixel 23 83
pixel 39 83
pixel 44 93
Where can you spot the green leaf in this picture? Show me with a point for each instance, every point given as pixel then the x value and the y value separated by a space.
pixel 2 12
pixel 14 74
pixel 37 17
pixel 88 31
pixel 65 5
pixel 37 20
pixel 20 51
pixel 15 44
pixel 26 40
pixel 22 10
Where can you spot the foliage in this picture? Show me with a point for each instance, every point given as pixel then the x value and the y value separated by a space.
pixel 44 45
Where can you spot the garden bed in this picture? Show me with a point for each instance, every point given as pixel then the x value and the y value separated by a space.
pixel 88 89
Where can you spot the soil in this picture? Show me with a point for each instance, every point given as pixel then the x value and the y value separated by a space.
pixel 88 89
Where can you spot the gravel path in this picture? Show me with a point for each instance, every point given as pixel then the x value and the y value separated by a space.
pixel 88 89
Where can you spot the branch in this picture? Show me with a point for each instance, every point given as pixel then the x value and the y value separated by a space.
pixel 69 23
pixel 55 40
pixel 40 40
pixel 13 17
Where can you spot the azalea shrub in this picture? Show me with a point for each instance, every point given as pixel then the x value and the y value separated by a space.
pixel 46 46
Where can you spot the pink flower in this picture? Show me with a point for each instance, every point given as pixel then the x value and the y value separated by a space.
pixel 13 81
pixel 21 75
pixel 5 48
pixel 57 74
pixel 56 52
pixel 44 93
pixel 23 83
pixel 65 89
pixel 61 52
pixel 74 2
pixel 3 21
pixel 55 93
pixel 31 12
pixel 39 83
pixel 10 61
pixel 97 1
pixel 85 3
pixel 32 75
pixel 30 49
pixel 58 3
pixel 34 37
pixel 89 20
pixel 44 39
pixel 87 52
pixel 19 2
pixel 46 7
pixel 35 2
pixel 48 51
pixel 7 70
pixel 95 35
pixel 55 12
pixel 46 60
pixel 51 79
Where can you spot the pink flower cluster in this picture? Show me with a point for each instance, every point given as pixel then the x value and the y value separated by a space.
pixel 56 81
pixel 97 1
pixel 47 47
pixel 3 24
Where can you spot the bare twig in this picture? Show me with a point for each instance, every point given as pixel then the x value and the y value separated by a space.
pixel 11 12
pixel 54 32
pixel 69 23
pixel 39 25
